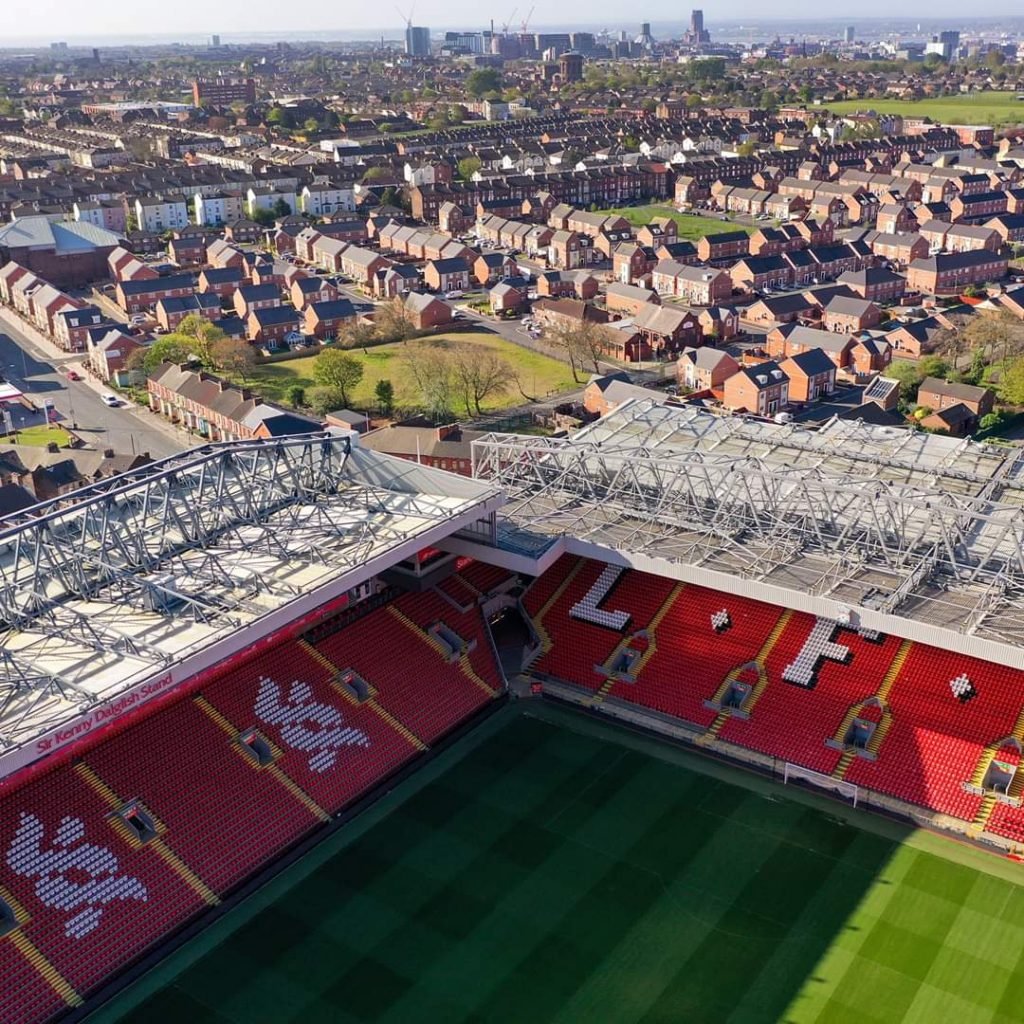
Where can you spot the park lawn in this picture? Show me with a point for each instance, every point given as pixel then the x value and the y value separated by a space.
pixel 993 108
pixel 539 375
pixel 41 435
pixel 691 226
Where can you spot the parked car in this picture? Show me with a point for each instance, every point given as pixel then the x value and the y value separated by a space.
pixel 110 400
pixel 453 294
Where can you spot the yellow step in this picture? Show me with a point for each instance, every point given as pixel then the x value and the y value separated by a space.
pixel 981 768
pixel 44 968
pixel 844 764
pixel 714 728
pixel 606 688
pixel 984 813
pixel 878 736
pixel 473 676
pixel 844 727
pixel 894 670
pixel 538 619
pixel 317 655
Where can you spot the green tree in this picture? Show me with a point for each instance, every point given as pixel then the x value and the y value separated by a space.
pixel 233 356
pixel 481 81
pixel 384 392
pixel 326 399
pixel 296 396
pixel 282 208
pixel 337 371
pixel 1011 382
pixel 468 166
pixel 909 377
pixel 311 124
pixel 277 116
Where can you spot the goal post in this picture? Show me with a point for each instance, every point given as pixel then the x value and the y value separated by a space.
pixel 792 772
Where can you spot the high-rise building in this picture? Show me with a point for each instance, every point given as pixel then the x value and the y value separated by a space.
pixel 222 92
pixel 645 39
pixel 570 66
pixel 215 40
pixel 849 34
pixel 417 41
pixel 945 44
pixel 696 33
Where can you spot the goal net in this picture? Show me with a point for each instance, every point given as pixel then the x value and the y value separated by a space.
pixel 793 772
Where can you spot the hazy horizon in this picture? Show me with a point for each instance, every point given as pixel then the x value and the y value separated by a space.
pixel 103 21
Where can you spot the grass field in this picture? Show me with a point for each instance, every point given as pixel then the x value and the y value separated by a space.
pixel 42 435
pixel 538 374
pixel 691 226
pixel 553 869
pixel 992 108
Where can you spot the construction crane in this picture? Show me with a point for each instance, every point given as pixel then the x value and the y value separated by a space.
pixel 526 21
pixel 504 28
pixel 407 18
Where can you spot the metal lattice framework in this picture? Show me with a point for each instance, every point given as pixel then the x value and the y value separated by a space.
pixel 903 522
pixel 118 581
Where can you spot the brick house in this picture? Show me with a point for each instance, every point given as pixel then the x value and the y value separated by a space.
pixel 850 315
pixel 170 312
pixel 629 298
pixel 876 284
pixel 256 296
pixel 269 326
pixel 426 311
pixel 705 368
pixel 569 250
pixel 138 296
pixel 362 265
pixel 762 389
pixel 727 245
pixel 490 267
pixel 221 281
pixel 632 262
pixel 811 374
pixel 307 290
pixel 71 328
pixel 667 329
pixel 450 275
pixel 950 273
pixel 870 355
pixel 942 394
pixel 699 286
pixel 755 273
pixel 794 339
pixel 573 284
pixel 324 318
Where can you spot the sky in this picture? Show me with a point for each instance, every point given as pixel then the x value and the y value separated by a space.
pixel 97 20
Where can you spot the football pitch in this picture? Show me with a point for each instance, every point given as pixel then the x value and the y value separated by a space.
pixel 552 868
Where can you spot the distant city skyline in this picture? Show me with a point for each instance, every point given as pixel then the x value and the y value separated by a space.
pixel 105 21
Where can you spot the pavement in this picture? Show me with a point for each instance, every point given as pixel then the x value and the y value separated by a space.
pixel 35 365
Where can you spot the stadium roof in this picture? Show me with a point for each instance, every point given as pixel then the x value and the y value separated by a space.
pixel 897 524
pixel 155 574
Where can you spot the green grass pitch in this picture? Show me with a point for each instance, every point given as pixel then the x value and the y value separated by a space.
pixel 550 868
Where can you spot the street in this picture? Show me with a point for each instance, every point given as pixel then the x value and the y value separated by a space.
pixel 43 378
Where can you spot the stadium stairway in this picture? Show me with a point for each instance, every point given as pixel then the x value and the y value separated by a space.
pixel 757 664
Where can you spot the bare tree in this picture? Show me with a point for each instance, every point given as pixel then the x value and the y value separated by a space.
pixel 479 373
pixel 393 321
pixel 356 335
pixel 583 342
pixel 233 356
pixel 431 369
pixel 1000 334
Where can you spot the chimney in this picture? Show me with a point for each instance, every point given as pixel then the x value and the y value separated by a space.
pixel 53 447
pixel 108 453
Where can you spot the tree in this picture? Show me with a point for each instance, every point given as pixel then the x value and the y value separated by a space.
pixel 932 366
pixel 311 124
pixel 1011 382
pixel 356 335
pixel 994 333
pixel 263 217
pixel 431 372
pixel 908 376
pixel 584 341
pixel 325 399
pixel 233 356
pixel 482 80
pixel 468 166
pixel 337 371
pixel 172 348
pixel 384 392
pixel 296 396
pixel 282 208
pixel 479 373
pixel 277 116
pixel 393 321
